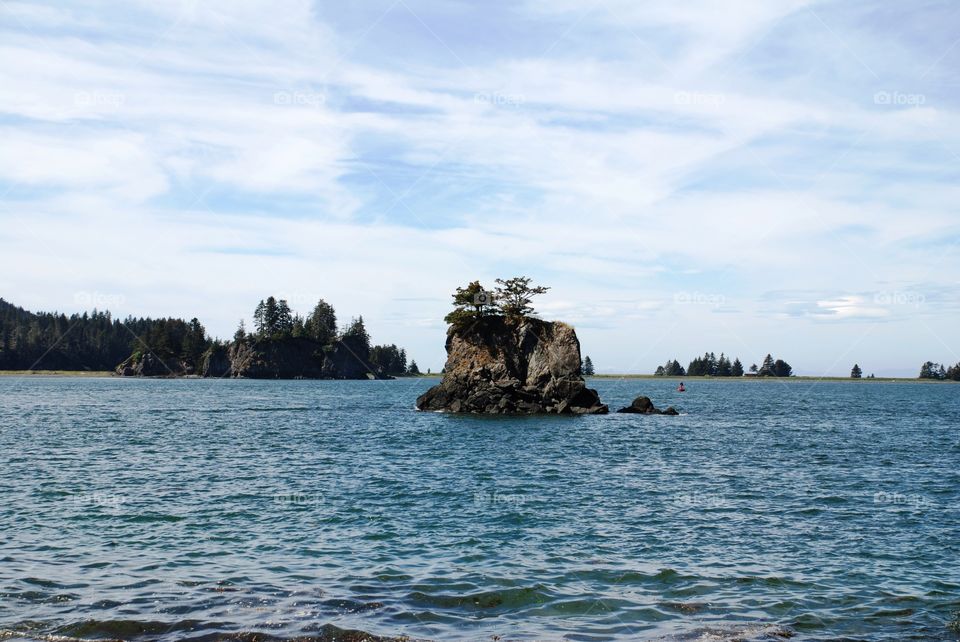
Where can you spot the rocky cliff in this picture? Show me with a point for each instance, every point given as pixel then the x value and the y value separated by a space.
pixel 150 365
pixel 500 366
pixel 300 358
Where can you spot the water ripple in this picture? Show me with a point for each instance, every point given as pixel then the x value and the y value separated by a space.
pixel 241 510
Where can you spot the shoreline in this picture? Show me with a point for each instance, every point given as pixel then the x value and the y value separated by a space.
pixel 806 378
pixel 797 378
pixel 57 373
pixel 103 374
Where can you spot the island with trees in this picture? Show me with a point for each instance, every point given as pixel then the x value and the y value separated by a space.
pixel 938 372
pixel 501 359
pixel 709 365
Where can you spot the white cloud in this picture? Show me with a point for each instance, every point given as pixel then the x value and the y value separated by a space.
pixel 264 150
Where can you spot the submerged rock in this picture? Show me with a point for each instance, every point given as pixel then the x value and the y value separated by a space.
pixel 497 365
pixel 643 405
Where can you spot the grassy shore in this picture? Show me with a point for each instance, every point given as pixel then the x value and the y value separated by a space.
pixel 769 379
pixel 55 373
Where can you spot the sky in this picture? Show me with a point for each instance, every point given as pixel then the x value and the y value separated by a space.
pixel 746 177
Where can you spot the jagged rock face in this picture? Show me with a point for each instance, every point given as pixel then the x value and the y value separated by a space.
pixel 149 365
pixel 344 361
pixel 287 359
pixel 299 358
pixel 643 406
pixel 216 362
pixel 499 366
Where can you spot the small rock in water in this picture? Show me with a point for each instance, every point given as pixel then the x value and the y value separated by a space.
pixel 643 406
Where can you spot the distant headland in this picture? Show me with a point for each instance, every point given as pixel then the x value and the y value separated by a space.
pixel 283 345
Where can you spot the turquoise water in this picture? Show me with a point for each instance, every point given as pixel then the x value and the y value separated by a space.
pixel 193 509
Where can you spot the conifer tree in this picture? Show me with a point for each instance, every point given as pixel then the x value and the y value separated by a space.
pixel 736 370
pixel 588 366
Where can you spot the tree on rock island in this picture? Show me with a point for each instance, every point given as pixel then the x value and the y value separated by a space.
pixel 355 333
pixel 515 295
pixel 470 303
pixel 321 324
pixel 512 300
pixel 273 319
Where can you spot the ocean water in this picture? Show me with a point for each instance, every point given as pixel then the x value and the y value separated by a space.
pixel 207 510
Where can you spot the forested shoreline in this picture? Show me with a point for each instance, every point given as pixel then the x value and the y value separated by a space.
pixel 96 341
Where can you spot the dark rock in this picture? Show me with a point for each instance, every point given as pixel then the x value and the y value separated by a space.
pixel 643 405
pixel 348 360
pixel 276 359
pixel 300 358
pixel 149 365
pixel 500 366
pixel 216 362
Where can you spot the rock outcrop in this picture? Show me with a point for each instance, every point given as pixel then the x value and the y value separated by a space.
pixel 268 359
pixel 216 362
pixel 643 406
pixel 150 365
pixel 501 366
pixel 301 358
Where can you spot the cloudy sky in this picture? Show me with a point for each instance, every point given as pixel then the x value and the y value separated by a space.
pixel 745 176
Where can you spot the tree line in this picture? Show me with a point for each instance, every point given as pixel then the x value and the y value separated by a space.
pixel 90 341
pixel 709 365
pixel 97 342
pixel 937 371
pixel 273 320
